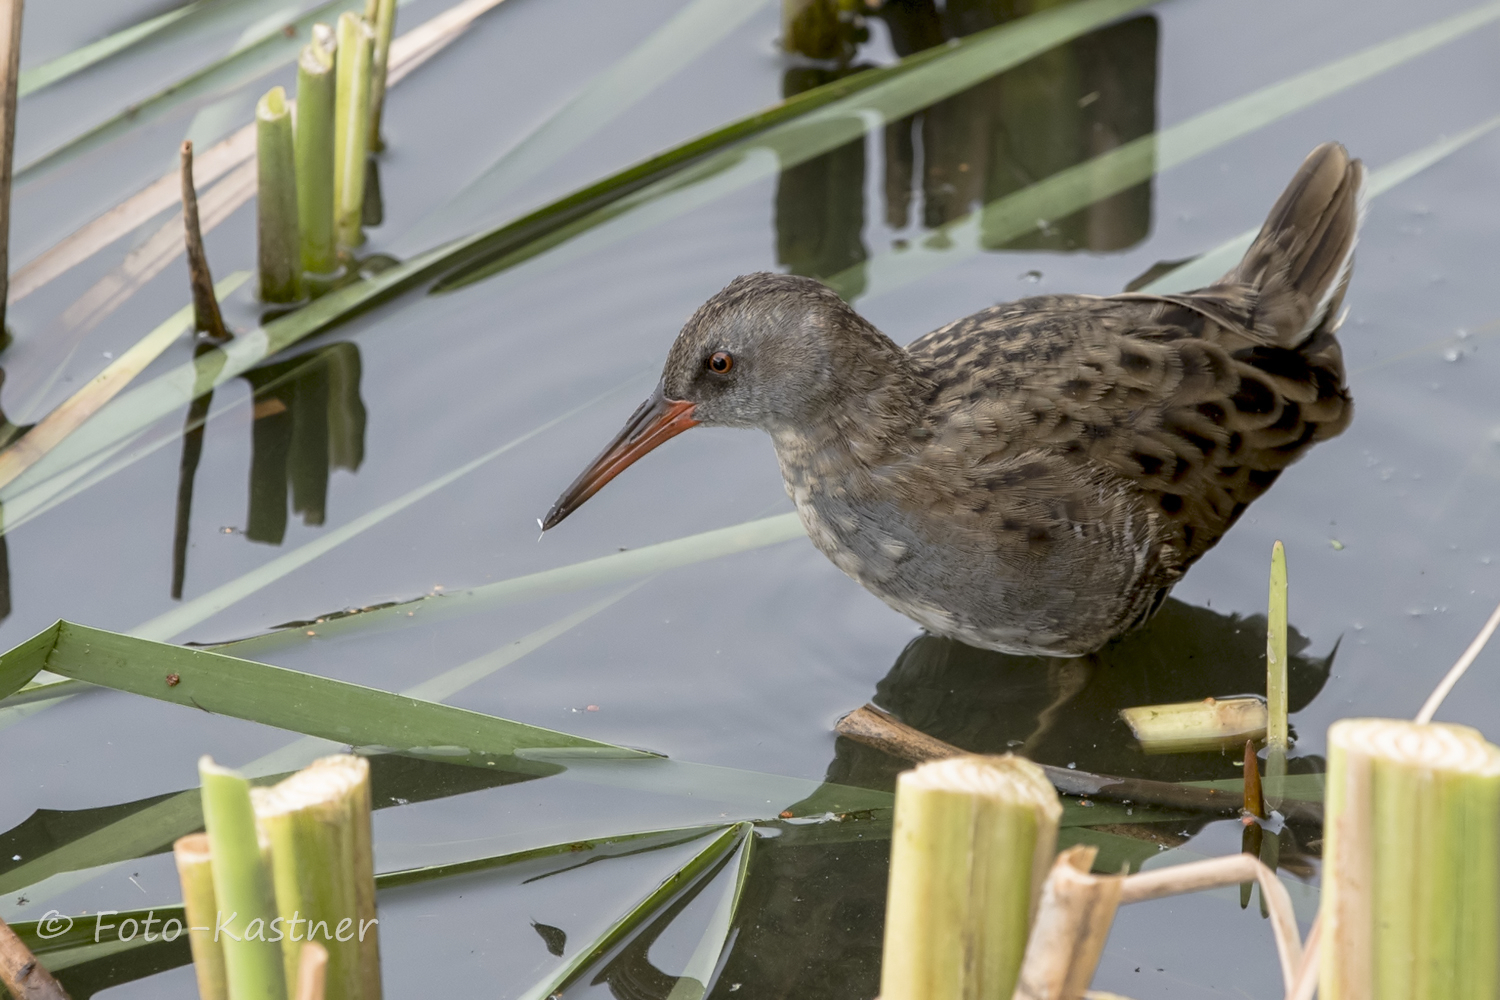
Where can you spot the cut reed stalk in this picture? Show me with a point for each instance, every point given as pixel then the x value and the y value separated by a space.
pixel 351 131
pixel 972 842
pixel 1278 730
pixel 312 972
pixel 10 51
pixel 1188 726
pixel 1071 926
pixel 243 893
pixel 315 131
pixel 382 17
pixel 195 873
pixel 22 975
pixel 318 821
pixel 1411 862
pixel 206 316
pixel 276 203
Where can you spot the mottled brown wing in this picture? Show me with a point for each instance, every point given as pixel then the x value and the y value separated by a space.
pixel 1199 400
pixel 1198 416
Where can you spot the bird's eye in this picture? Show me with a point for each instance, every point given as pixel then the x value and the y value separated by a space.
pixel 720 361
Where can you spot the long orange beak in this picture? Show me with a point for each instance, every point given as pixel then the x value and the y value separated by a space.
pixel 657 420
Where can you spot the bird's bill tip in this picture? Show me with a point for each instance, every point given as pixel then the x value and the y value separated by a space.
pixel 657 420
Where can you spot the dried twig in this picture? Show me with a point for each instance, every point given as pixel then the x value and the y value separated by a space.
pixel 1306 979
pixel 872 727
pixel 1226 871
pixel 1434 700
pixel 22 974
pixel 1072 923
pixel 206 316
pixel 10 52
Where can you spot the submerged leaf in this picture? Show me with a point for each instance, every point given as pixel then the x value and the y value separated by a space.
pixel 671 887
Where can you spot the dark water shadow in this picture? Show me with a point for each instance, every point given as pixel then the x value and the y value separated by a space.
pixel 812 914
pixel 1065 711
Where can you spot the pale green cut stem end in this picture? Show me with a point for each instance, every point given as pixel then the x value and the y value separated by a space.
pixel 242 887
pixel 382 15
pixel 1192 726
pixel 1277 728
pixel 276 203
pixel 195 873
pixel 1411 863
pixel 973 840
pixel 315 130
pixel 351 128
pixel 318 821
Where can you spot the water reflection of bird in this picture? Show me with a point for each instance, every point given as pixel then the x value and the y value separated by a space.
pixel 1035 477
pixel 1067 710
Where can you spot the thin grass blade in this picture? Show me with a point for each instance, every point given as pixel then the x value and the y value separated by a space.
pixel 87 401
pixel 276 49
pixel 1075 188
pixel 179 619
pixel 876 98
pixel 80 59
pixel 407 52
pixel 615 568
pixel 1209 267
pixel 690 32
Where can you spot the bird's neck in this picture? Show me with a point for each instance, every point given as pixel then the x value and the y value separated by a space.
pixel 875 419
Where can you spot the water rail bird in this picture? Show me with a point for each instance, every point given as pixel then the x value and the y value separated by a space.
pixel 1033 478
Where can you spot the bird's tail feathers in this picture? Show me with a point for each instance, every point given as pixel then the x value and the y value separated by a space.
pixel 1297 269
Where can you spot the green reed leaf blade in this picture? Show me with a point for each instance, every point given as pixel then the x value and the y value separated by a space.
pixel 675 883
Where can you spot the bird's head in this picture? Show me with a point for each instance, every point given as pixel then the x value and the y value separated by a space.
pixel 765 352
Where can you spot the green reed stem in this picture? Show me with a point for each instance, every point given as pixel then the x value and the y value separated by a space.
pixel 973 841
pixel 381 14
pixel 1276 699
pixel 351 132
pixel 242 887
pixel 276 201
pixel 195 872
pixel 1278 731
pixel 315 116
pixel 1411 881
pixel 318 821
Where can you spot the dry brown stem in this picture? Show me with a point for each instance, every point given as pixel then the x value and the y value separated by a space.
pixel 206 316
pixel 22 974
pixel 10 51
pixel 1071 926
pixel 1255 802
